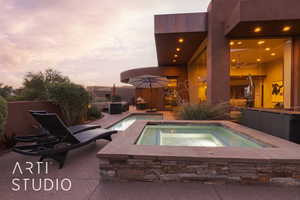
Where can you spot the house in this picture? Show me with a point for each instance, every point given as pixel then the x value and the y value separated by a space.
pixel 246 52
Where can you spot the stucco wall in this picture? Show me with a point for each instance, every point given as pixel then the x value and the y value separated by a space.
pixel 20 122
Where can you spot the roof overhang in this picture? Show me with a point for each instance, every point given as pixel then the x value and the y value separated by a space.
pixel 192 27
pixel 270 16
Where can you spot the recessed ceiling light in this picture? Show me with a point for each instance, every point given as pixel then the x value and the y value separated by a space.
pixel 175 56
pixel 273 54
pixel 267 49
pixel 260 42
pixel 178 49
pixel 174 60
pixel 240 42
pixel 258 59
pixel 231 43
pixel 257 29
pixel 286 28
pixel 180 40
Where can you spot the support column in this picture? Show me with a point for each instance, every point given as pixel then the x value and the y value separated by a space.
pixel 218 64
pixel 287 73
pixel 296 73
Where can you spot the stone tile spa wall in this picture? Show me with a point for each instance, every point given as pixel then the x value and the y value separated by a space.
pixel 204 171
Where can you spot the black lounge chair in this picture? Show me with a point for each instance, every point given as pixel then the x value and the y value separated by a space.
pixel 62 139
pixel 44 133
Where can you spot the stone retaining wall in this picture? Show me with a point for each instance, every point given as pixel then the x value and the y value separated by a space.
pixel 204 171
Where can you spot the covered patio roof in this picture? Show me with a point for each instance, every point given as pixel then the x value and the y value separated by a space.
pixel 255 19
pixel 177 37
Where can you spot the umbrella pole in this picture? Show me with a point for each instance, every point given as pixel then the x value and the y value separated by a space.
pixel 150 96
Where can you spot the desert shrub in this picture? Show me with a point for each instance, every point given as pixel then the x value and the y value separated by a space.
pixel 35 85
pixel 5 141
pixel 73 100
pixel 3 114
pixel 94 113
pixel 203 111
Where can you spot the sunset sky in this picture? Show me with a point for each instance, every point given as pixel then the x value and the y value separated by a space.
pixel 90 41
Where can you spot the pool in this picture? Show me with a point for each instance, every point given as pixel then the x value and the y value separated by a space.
pixel 204 151
pixel 129 120
pixel 194 135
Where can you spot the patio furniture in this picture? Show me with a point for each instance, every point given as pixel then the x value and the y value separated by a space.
pixel 44 133
pixel 125 106
pixel 61 139
pixel 115 108
pixel 141 106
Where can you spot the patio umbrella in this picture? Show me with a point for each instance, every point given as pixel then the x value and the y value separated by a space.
pixel 114 90
pixel 148 81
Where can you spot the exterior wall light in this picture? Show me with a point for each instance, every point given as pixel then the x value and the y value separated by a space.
pixel 286 28
pixel 260 42
pixel 257 29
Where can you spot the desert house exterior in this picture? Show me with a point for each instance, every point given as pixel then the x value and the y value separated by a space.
pixel 246 52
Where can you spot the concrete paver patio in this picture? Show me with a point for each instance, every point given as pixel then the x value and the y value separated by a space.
pixel 82 168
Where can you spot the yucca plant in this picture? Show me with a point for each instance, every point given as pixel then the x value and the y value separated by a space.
pixel 203 111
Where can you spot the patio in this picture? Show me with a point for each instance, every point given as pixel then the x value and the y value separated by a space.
pixel 82 169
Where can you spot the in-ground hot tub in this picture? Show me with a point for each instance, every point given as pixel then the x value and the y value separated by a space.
pixel 204 151
pixel 203 135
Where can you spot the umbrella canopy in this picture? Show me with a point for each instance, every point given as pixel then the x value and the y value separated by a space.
pixel 148 81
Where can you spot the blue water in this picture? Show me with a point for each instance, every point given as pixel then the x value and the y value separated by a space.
pixel 128 121
pixel 195 135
